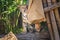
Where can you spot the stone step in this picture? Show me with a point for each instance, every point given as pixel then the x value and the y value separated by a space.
pixel 34 36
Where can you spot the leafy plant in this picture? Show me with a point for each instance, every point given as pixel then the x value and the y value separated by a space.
pixel 10 12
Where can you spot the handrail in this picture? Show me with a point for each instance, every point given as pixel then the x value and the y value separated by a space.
pixel 56 5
